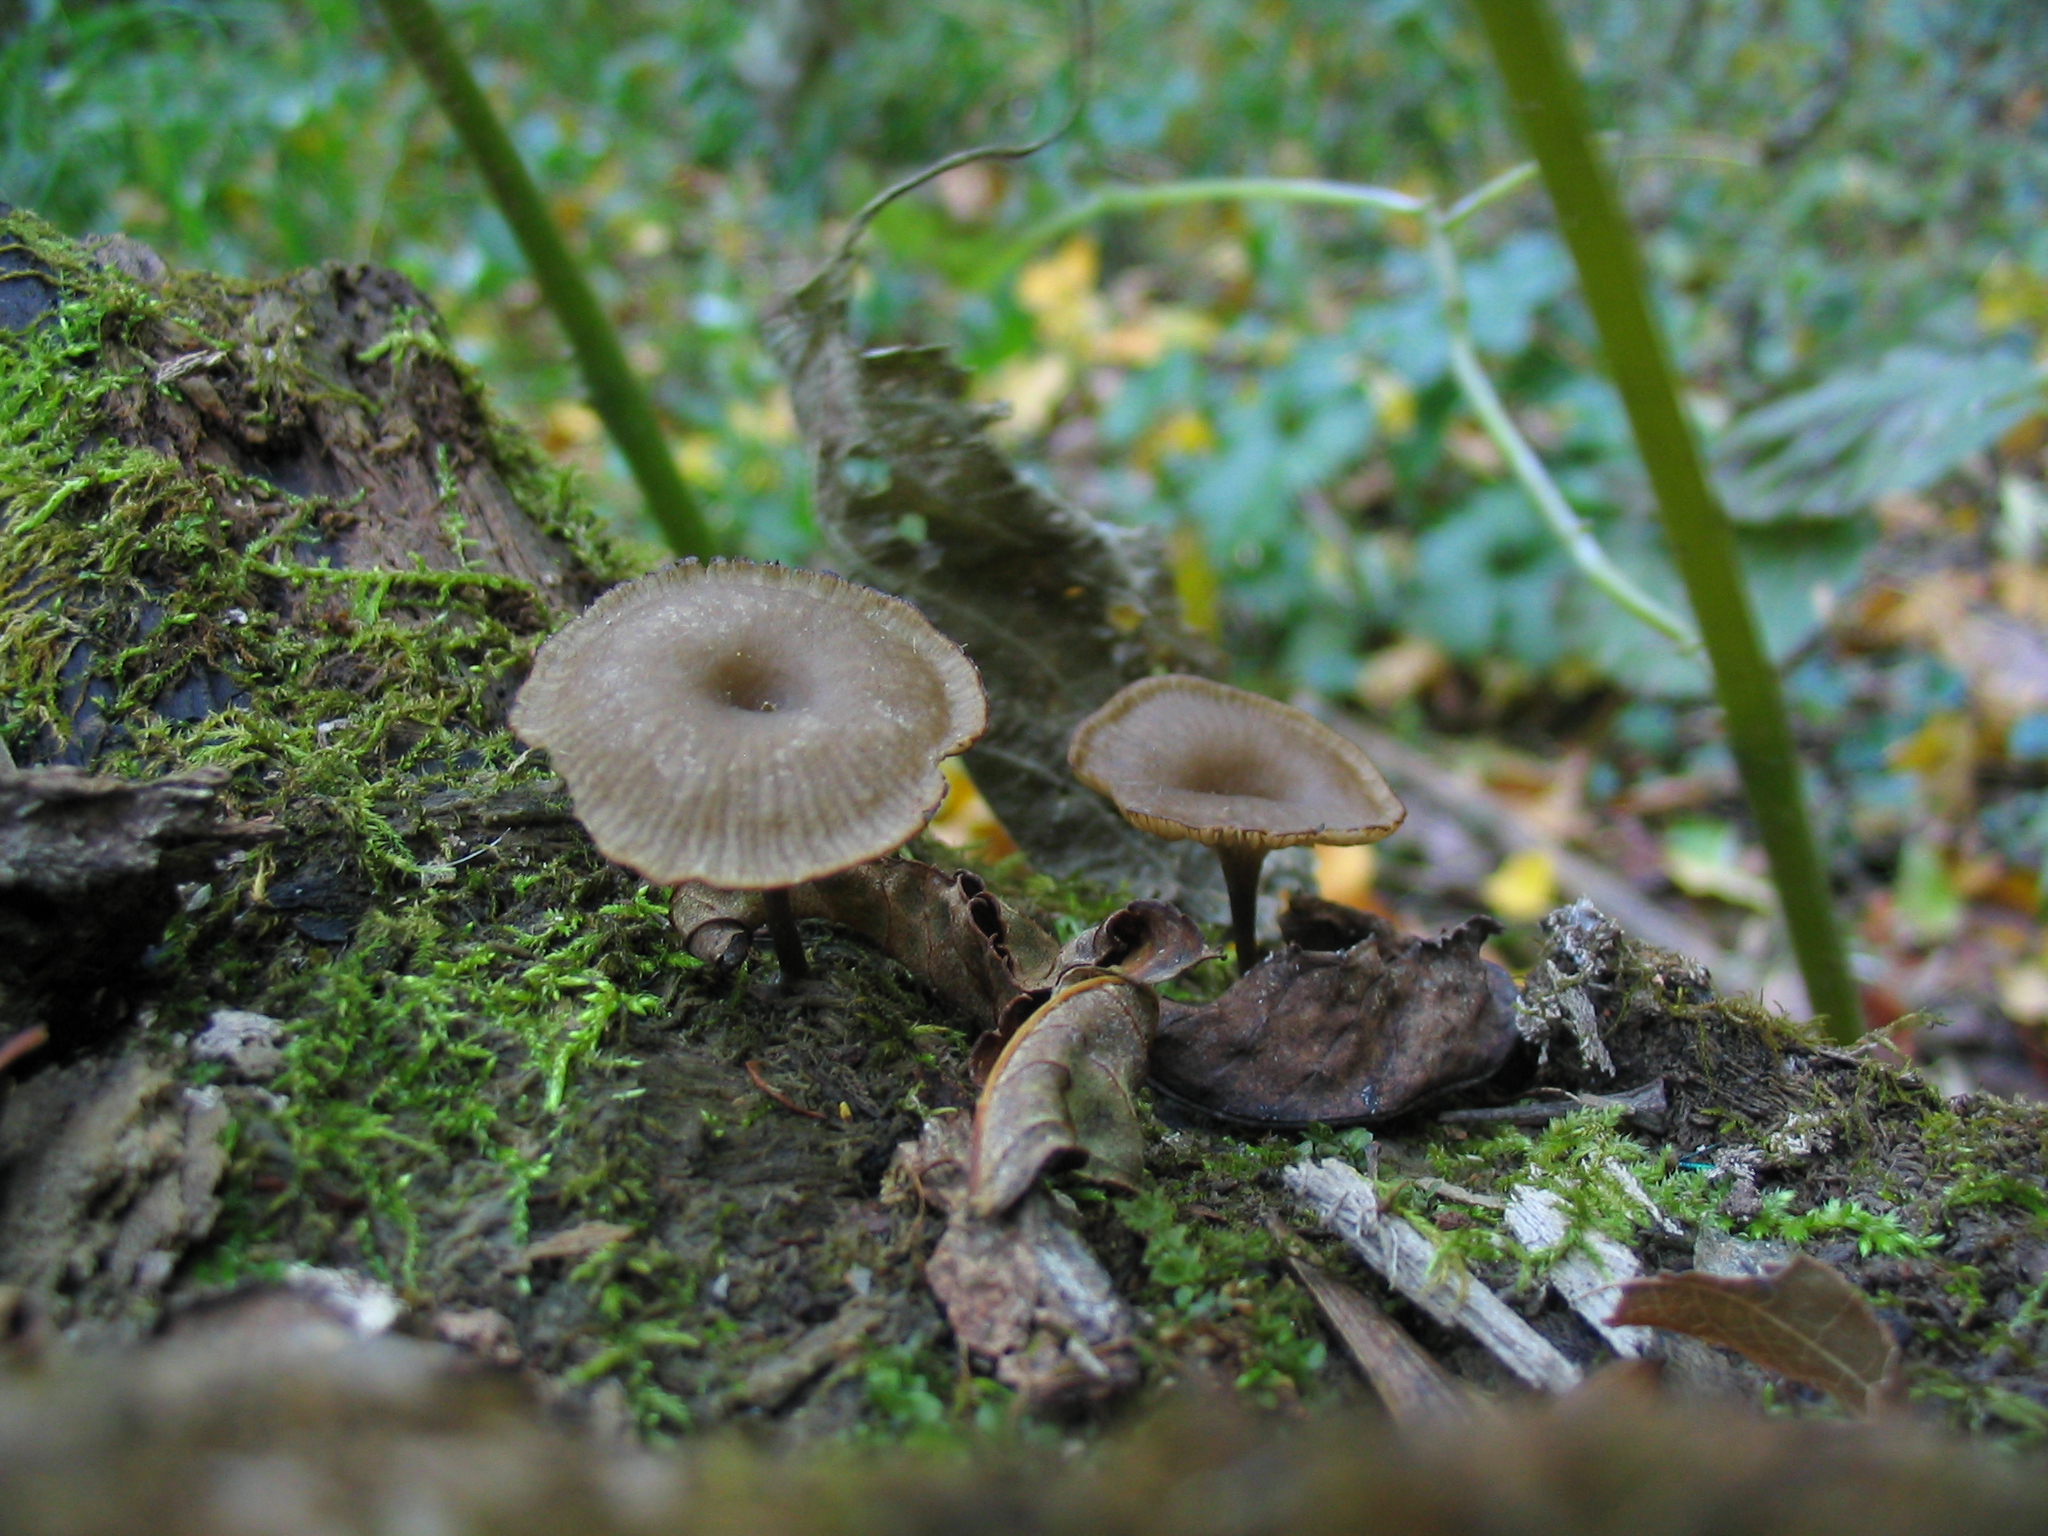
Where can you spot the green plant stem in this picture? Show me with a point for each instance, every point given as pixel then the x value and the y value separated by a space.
pixel 1570 529
pixel 1529 49
pixel 615 393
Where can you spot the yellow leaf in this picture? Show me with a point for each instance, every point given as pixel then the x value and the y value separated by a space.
pixel 697 461
pixel 570 424
pixel 1032 387
pixel 965 819
pixel 767 420
pixel 1942 755
pixel 1390 677
pixel 1194 582
pixel 1185 432
pixel 1345 874
pixel 2010 294
pixel 1060 290
pixel 1524 887
pixel 2023 994
pixel 1393 403
pixel 1703 857
pixel 1141 341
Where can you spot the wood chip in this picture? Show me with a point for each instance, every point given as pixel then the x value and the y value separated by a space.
pixel 1589 1277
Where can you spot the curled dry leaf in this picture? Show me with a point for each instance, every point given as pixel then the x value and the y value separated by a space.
pixel 949 930
pixel 1062 1093
pixel 1805 1321
pixel 1347 1036
pixel 1147 941
pixel 1059 1082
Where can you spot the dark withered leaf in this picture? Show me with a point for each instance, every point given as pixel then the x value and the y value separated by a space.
pixel 1147 941
pixel 1063 1092
pixel 1057 610
pixel 946 928
pixel 1344 1037
pixel 1804 1320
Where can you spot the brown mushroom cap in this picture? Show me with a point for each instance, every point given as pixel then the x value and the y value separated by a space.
pixel 750 726
pixel 1184 757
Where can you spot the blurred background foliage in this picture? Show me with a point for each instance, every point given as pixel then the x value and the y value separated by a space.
pixel 1845 208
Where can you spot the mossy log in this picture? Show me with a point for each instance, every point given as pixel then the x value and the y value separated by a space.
pixel 273 533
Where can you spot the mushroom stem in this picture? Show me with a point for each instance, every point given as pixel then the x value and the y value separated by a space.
pixel 1241 865
pixel 789 945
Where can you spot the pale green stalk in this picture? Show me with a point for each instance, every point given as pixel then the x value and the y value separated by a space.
pixel 1570 529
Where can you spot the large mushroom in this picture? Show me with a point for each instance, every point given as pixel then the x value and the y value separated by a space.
pixel 1184 757
pixel 751 726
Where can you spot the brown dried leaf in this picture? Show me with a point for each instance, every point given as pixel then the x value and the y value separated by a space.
pixel 948 929
pixel 1062 1093
pixel 1805 1321
pixel 1147 941
pixel 1357 1036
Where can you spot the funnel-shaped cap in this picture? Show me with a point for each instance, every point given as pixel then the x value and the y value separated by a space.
pixel 1184 757
pixel 750 726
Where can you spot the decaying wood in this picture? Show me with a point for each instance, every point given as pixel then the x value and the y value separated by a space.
pixel 1589 1275
pixel 89 873
pixel 1346 1203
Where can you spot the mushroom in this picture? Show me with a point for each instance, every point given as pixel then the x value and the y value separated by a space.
pixel 1184 757
pixel 751 726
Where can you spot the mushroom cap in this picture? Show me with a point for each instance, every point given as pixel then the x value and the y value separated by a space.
pixel 750 726
pixel 1184 757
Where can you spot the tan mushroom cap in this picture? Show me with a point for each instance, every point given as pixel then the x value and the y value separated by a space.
pixel 750 726
pixel 1184 757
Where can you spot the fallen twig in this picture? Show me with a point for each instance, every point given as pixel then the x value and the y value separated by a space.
pixel 1647 1108
pixel 1415 1389
pixel 1347 1204
pixel 1589 1276
pixel 760 1082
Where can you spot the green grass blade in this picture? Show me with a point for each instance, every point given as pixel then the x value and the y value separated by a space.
pixel 1529 49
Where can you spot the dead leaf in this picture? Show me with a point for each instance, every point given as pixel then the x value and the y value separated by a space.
pixel 1148 942
pixel 948 929
pixel 1805 1321
pixel 578 1242
pixel 1343 1036
pixel 1058 611
pixel 1063 1092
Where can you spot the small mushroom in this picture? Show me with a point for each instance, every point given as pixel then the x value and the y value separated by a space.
pixel 751 726
pixel 1184 757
